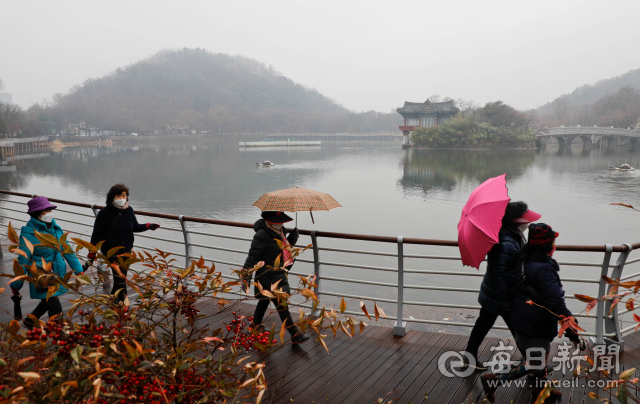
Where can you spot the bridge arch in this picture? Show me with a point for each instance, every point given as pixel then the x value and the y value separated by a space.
pixel 562 141
pixel 603 137
pixel 586 141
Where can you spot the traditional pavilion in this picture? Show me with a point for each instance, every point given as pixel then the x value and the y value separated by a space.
pixel 424 114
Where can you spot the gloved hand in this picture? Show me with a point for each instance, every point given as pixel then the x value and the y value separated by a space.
pixel 246 285
pixel 152 226
pixel 91 256
pixel 15 291
pixel 574 337
pixel 293 236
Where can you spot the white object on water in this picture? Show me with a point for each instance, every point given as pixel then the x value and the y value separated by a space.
pixel 285 143
pixel 625 167
pixel 266 163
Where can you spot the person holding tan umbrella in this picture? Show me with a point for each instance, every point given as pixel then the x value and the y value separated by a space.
pixel 264 247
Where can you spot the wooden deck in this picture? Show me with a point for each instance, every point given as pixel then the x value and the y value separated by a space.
pixel 375 365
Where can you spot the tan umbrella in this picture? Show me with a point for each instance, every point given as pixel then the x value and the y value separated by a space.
pixel 296 200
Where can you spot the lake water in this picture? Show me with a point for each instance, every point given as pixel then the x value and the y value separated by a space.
pixel 383 189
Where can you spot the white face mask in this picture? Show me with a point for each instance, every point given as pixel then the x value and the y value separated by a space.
pixel 276 226
pixel 523 227
pixel 47 218
pixel 119 202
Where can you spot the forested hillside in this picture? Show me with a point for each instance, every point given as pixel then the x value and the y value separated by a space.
pixel 592 93
pixel 610 102
pixel 192 89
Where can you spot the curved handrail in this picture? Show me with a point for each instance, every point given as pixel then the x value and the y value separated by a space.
pixel 327 234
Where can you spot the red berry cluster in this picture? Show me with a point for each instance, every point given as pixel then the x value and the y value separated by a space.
pixel 67 338
pixel 185 302
pixel 245 336
pixel 147 388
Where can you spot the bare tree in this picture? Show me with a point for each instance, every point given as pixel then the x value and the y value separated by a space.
pixel 561 107
pixel 466 107
pixel 13 118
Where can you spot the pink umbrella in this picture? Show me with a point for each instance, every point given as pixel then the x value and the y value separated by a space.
pixel 481 220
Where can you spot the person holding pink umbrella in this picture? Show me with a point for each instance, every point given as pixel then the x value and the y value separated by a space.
pixel 500 280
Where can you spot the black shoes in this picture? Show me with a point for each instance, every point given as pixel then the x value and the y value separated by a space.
pixel 464 365
pixel 299 339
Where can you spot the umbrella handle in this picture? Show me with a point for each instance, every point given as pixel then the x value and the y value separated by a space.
pixel 311 213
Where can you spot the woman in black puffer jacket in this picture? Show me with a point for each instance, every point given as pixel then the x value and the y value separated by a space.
pixel 115 225
pixel 535 324
pixel 496 291
pixel 264 247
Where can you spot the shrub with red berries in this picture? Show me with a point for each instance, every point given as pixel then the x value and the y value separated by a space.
pixel 151 349
pixel 154 347
pixel 248 338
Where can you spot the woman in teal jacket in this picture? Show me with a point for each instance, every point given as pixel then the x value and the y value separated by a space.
pixel 40 210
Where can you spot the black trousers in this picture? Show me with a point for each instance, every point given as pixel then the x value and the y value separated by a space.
pixel 119 282
pixel 263 305
pixel 53 306
pixel 483 325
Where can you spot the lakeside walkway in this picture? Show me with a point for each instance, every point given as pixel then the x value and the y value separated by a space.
pixel 372 365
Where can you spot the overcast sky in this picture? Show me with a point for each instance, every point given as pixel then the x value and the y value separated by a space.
pixel 363 54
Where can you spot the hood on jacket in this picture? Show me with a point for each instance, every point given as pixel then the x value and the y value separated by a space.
pixel 262 224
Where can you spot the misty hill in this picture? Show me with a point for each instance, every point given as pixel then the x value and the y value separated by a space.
pixel 590 93
pixel 610 102
pixel 206 91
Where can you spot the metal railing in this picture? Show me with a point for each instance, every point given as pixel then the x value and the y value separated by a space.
pixel 607 326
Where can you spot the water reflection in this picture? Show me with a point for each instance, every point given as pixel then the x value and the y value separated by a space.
pixel 444 169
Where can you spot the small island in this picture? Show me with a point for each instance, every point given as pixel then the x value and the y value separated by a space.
pixel 445 125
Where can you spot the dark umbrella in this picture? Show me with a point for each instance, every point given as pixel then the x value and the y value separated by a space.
pixel 17 310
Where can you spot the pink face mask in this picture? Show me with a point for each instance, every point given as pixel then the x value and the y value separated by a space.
pixel 552 251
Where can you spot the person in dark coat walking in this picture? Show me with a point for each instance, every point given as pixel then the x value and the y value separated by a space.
pixel 496 291
pixel 42 221
pixel 264 247
pixel 115 225
pixel 538 307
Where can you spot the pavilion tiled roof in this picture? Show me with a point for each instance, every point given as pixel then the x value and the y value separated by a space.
pixel 427 106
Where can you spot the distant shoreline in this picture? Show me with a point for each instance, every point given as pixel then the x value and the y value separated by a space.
pixel 473 148
pixel 165 139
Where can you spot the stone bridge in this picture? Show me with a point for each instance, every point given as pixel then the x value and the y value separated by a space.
pixel 590 135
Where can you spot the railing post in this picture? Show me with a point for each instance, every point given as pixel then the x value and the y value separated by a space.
pixel 601 292
pixel 316 261
pixel 94 209
pixel 399 330
pixel 612 323
pixel 187 241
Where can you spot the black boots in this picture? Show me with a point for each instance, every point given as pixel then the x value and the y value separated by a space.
pixel 299 339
